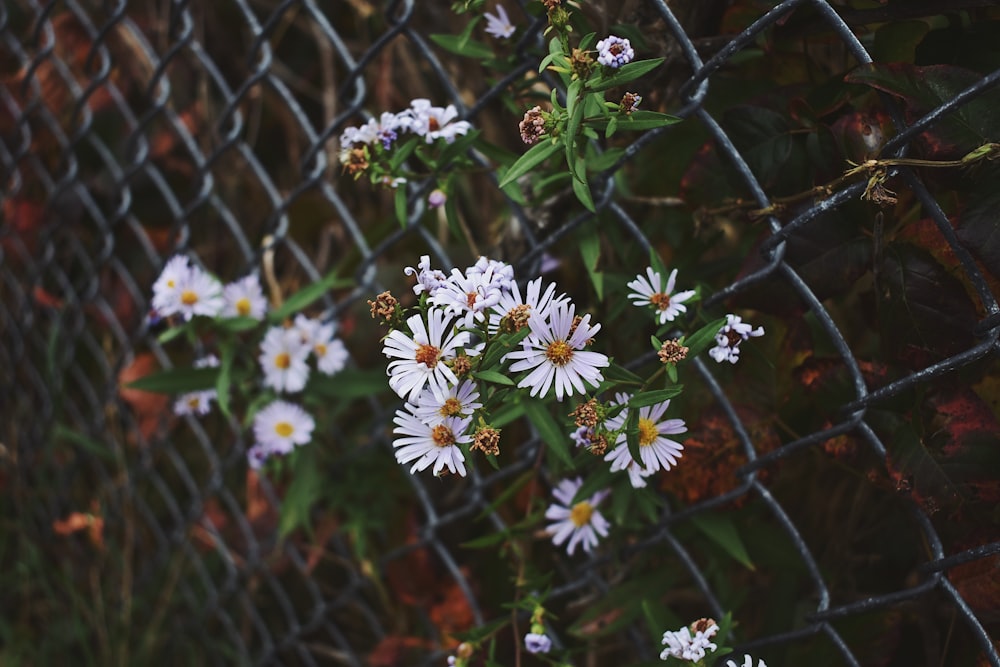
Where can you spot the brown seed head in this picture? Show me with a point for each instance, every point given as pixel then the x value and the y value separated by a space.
pixel 629 103
pixel 586 414
pixel 461 366
pixel 598 445
pixel 672 352
pixel 532 126
pixel 487 440
pixel 703 625
pixel 384 306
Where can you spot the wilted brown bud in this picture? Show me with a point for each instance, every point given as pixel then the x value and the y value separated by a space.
pixel 356 161
pixel 487 440
pixel 532 126
pixel 672 352
pixel 516 318
pixel 703 625
pixel 551 4
pixel 461 366
pixel 383 307
pixel 586 414
pixel 630 102
pixel 581 62
pixel 598 445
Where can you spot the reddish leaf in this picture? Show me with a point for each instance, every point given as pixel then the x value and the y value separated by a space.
pixel 452 614
pixel 394 650
pixel 148 407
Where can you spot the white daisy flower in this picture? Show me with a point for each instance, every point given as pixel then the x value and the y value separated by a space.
pixel 656 450
pixel 536 642
pixel 581 522
pixel 502 272
pixel 461 401
pixel 330 352
pixel 244 298
pixel 279 427
pixel 747 662
pixel 684 645
pixel 198 402
pixel 554 353
pixel 199 294
pixel 647 292
pixel 167 288
pixel 428 445
pixel 499 26
pixel 283 357
pixel 518 310
pixel 468 296
pixel 419 361
pixel 727 341
pixel 433 123
pixel 428 279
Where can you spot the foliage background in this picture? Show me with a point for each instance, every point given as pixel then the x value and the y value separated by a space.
pixel 839 488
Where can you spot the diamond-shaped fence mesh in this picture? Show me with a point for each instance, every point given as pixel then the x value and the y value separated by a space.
pixel 134 131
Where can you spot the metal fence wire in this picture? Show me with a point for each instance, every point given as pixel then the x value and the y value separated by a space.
pixel 133 131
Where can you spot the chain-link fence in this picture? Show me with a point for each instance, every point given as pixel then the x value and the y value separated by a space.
pixel 131 131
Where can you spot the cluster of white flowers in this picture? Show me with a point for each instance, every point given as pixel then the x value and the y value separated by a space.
pixel 285 352
pixel 422 118
pixel 278 428
pixel 690 643
pixel 186 290
pixel 460 313
pixel 727 341
pixel 198 402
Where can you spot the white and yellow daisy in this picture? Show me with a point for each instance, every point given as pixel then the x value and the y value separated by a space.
pixel 244 298
pixel 462 400
pixel 656 451
pixel 554 353
pixel 167 288
pixel 581 522
pixel 428 445
pixel 647 292
pixel 517 310
pixel 199 293
pixel 283 358
pixel 278 428
pixel 420 360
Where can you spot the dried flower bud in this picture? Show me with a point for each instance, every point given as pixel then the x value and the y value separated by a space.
pixel 532 126
pixel 672 352
pixel 487 440
pixel 461 366
pixel 551 4
pixel 703 625
pixel 464 650
pixel 516 318
pixel 384 307
pixel 355 161
pixel 581 62
pixel 598 445
pixel 586 414
pixel 630 102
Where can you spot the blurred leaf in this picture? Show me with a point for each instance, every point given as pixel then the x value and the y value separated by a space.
pixel 477 635
pixel 582 191
pixel 237 324
pixel 922 89
pixel 549 431
pixel 537 154
pixel 494 377
pixel 177 380
pixel 896 42
pixel 399 205
pixel 222 384
pixel 307 295
pixel 910 460
pixel 92 447
pixel 349 383
pixel 632 436
pixel 596 481
pixel 721 529
pixel 625 73
pixel 654 397
pixel 590 250
pixel 704 337
pixel 304 490
pixel 469 48
pixel 978 229
pixel 765 141
pixel 638 120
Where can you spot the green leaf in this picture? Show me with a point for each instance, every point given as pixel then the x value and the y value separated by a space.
pixel 621 375
pixel 612 126
pixel 307 295
pixel 399 206
pixel 653 397
pixel 537 154
pixel 469 48
pixel 305 489
pixel 237 324
pixel 582 191
pixel 500 346
pixel 485 541
pixel 638 120
pixel 590 250
pixel 548 430
pixel 721 529
pixel 348 384
pixel 403 151
pixel 224 380
pixel 701 339
pixel 508 412
pixel 173 332
pixel 177 380
pixel 477 635
pixel 594 482
pixel 92 447
pixel 509 491
pixel 494 377
pixel 626 73
pixel 632 436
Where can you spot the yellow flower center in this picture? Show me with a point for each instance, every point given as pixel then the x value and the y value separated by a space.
pixel 171 284
pixel 320 350
pixel 427 355
pixel 648 433
pixel 442 436
pixel 660 300
pixel 284 429
pixel 194 402
pixel 580 514
pixel 243 307
pixel 559 352
pixel 451 408
pixel 189 297
pixel 282 360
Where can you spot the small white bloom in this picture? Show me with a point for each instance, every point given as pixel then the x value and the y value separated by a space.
pixel 518 310
pixel 462 400
pixel 537 643
pixel 330 352
pixel 655 450
pixel 433 123
pixel 200 294
pixel 499 26
pixel 428 280
pixel 684 645
pixel 727 341
pixel 198 402
pixel 554 353
pixel 278 428
pixel 428 445
pixel 502 272
pixel 747 662
pixel 244 298
pixel 614 51
pixel 580 522
pixel 167 288
pixel 283 358
pixel 469 296
pixel 419 361
pixel 647 292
